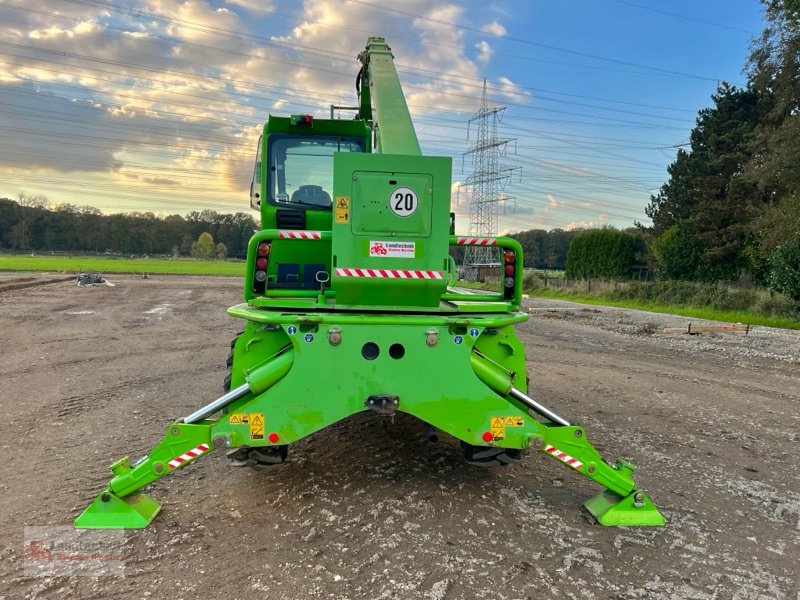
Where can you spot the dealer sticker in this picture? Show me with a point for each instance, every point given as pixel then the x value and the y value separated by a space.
pixel 383 249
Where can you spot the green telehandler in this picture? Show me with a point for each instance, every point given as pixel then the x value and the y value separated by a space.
pixel 348 307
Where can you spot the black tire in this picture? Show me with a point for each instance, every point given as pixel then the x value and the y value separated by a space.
pixel 226 384
pixel 261 457
pixel 490 456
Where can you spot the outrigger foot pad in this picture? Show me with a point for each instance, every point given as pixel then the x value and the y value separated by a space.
pixel 636 509
pixel 109 511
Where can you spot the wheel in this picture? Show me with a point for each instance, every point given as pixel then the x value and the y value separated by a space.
pixel 490 456
pixel 261 457
pixel 226 384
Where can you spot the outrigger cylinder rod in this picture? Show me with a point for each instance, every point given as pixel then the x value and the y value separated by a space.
pixel 539 408
pixel 257 380
pixel 218 404
pixel 500 380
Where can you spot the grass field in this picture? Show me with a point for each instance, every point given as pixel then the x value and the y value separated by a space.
pixel 72 264
pixel 731 316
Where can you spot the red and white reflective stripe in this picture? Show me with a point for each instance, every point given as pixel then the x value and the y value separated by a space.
pixel 390 273
pixel 285 234
pixel 563 456
pixel 187 456
pixel 476 241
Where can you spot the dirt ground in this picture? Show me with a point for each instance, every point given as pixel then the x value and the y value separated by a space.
pixel 365 510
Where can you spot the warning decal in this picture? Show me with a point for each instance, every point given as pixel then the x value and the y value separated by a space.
pixel 238 419
pixel 256 426
pixel 342 209
pixel 497 428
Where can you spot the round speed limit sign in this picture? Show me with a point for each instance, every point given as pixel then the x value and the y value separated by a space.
pixel 403 202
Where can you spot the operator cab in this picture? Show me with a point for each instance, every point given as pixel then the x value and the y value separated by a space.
pixel 292 183
pixel 292 187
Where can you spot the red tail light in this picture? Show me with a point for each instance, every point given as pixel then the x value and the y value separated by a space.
pixel 509 282
pixel 262 261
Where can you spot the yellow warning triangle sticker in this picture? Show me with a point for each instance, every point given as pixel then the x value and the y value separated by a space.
pixel 342 203
pixel 235 420
pixel 497 423
pixel 257 421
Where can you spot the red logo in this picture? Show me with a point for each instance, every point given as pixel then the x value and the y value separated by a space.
pixel 36 550
pixel 378 249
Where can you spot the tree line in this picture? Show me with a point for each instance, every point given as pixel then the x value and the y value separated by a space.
pixel 545 249
pixel 731 205
pixel 30 224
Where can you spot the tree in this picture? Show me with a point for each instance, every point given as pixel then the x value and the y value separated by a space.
pixel 30 211
pixel 545 249
pixel 774 70
pixel 709 195
pixel 604 253
pixel 69 227
pixel 785 272
pixel 677 253
pixel 204 246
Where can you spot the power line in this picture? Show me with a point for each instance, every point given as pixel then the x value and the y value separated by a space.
pixel 531 42
pixel 684 17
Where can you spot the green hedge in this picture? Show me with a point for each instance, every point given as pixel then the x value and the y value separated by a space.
pixel 602 253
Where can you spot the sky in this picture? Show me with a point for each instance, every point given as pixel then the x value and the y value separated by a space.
pixel 157 105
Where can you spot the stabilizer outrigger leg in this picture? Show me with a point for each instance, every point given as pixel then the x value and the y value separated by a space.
pixel 121 505
pixel 621 503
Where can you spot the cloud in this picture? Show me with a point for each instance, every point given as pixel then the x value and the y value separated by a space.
pixel 172 94
pixel 494 28
pixel 511 90
pixel 161 181
pixel 44 126
pixel 600 220
pixel 255 6
pixel 193 20
pixel 484 52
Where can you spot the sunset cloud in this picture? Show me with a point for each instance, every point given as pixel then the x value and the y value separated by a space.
pixel 160 102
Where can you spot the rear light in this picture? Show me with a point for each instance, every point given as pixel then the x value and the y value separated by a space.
pixel 510 269
pixel 262 262
pixel 301 120
pixel 487 436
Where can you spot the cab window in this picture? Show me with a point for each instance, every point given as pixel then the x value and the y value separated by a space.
pixel 255 182
pixel 301 169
